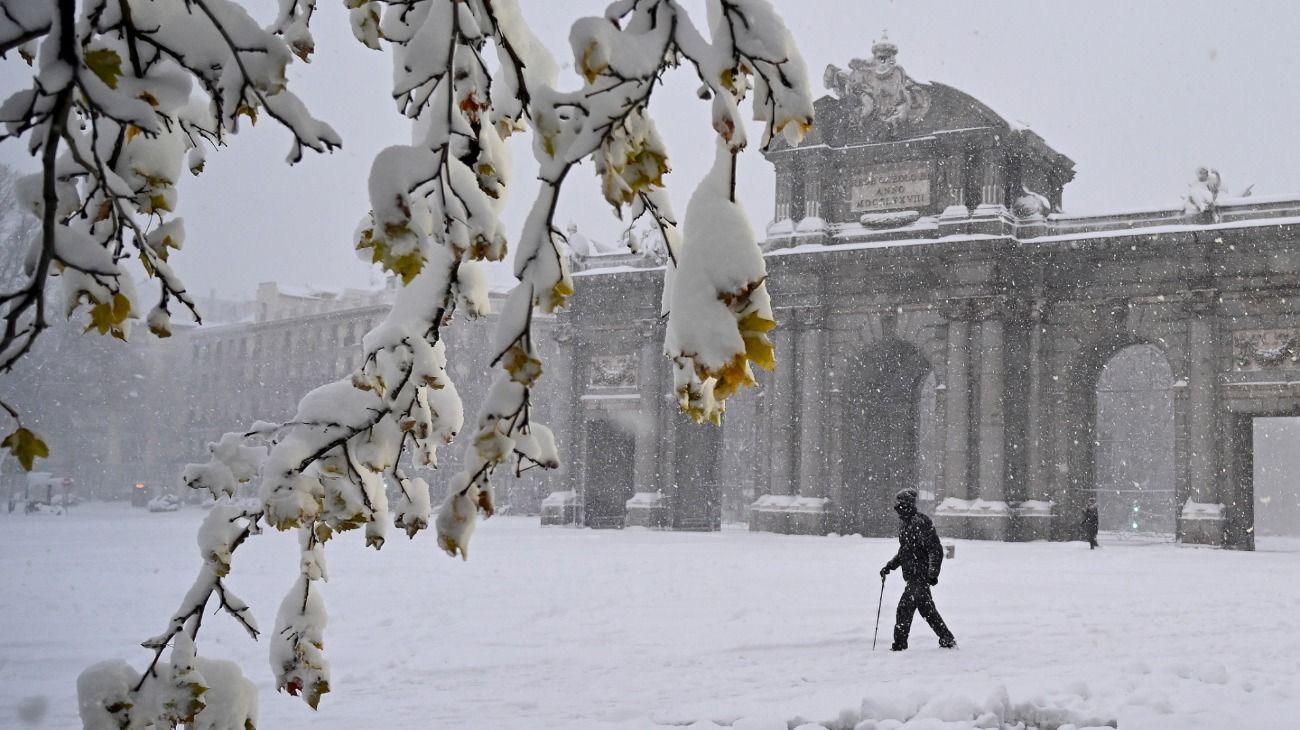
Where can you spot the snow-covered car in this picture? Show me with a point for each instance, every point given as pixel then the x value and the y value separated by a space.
pixel 165 503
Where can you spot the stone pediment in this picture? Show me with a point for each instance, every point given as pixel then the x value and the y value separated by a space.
pixel 841 122
pixel 887 151
pixel 875 101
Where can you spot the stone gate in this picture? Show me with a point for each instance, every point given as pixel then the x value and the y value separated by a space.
pixel 942 325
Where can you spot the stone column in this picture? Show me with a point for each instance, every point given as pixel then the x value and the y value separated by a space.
pixel 649 437
pixel 1202 442
pixel 991 181
pixel 995 522
pixel 812 383
pixel 955 469
pixel 575 437
pixel 992 428
pixel 1200 382
pixel 833 425
pixel 781 409
pixel 956 450
pixel 1036 466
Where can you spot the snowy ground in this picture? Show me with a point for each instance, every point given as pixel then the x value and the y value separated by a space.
pixel 555 628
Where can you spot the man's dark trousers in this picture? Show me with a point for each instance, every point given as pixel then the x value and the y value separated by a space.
pixel 916 597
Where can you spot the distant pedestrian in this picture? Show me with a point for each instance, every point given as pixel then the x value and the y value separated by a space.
pixel 1090 523
pixel 920 554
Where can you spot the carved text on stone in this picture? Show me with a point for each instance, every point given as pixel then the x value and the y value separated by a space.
pixel 892 186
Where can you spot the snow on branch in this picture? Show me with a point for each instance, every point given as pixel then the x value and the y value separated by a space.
pixel 111 111
pixel 434 215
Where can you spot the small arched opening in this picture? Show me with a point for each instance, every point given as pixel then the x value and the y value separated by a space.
pixel 888 435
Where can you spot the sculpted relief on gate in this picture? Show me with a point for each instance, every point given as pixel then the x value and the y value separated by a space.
pixel 613 371
pixel 1255 350
pixel 881 87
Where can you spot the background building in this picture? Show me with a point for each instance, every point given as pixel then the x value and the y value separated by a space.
pixel 942 325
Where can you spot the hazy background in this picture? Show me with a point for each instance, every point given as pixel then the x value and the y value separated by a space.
pixel 1138 94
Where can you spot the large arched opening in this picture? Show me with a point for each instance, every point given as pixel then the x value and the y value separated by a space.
pixel 1135 443
pixel 1122 440
pixel 888 423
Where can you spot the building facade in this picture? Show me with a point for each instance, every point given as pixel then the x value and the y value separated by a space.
pixel 118 414
pixel 942 325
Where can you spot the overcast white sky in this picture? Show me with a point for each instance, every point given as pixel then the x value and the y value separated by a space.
pixel 1138 94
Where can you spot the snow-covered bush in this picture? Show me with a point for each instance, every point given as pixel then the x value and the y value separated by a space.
pixel 126 94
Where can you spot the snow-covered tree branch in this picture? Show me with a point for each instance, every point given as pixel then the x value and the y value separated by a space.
pixel 114 114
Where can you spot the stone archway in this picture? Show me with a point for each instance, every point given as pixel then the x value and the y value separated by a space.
pixel 1121 439
pixel 1134 459
pixel 881 434
pixel 610 459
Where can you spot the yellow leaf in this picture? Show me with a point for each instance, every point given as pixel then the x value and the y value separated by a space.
pixel 303 50
pixel 26 446
pixel 131 132
pixel 732 376
pixel 759 350
pixel 522 366
pixel 451 546
pixel 406 266
pixel 249 112
pixel 485 503
pixel 755 322
pixel 104 63
pixel 147 98
pixel 555 298
pixel 121 308
pixel 101 318
pixel 106 318
pixel 590 70
pixel 318 688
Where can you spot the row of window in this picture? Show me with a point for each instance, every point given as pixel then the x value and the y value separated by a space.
pixel 288 341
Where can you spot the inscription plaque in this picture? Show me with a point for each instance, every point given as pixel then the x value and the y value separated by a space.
pixel 891 186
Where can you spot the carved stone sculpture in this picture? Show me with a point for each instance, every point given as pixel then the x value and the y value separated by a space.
pixel 882 88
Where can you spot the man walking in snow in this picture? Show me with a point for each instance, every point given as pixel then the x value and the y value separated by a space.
pixel 920 554
pixel 1091 522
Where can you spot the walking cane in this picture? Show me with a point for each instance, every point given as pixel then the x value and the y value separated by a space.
pixel 878 605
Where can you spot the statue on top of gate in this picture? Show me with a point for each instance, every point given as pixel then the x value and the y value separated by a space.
pixel 881 86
